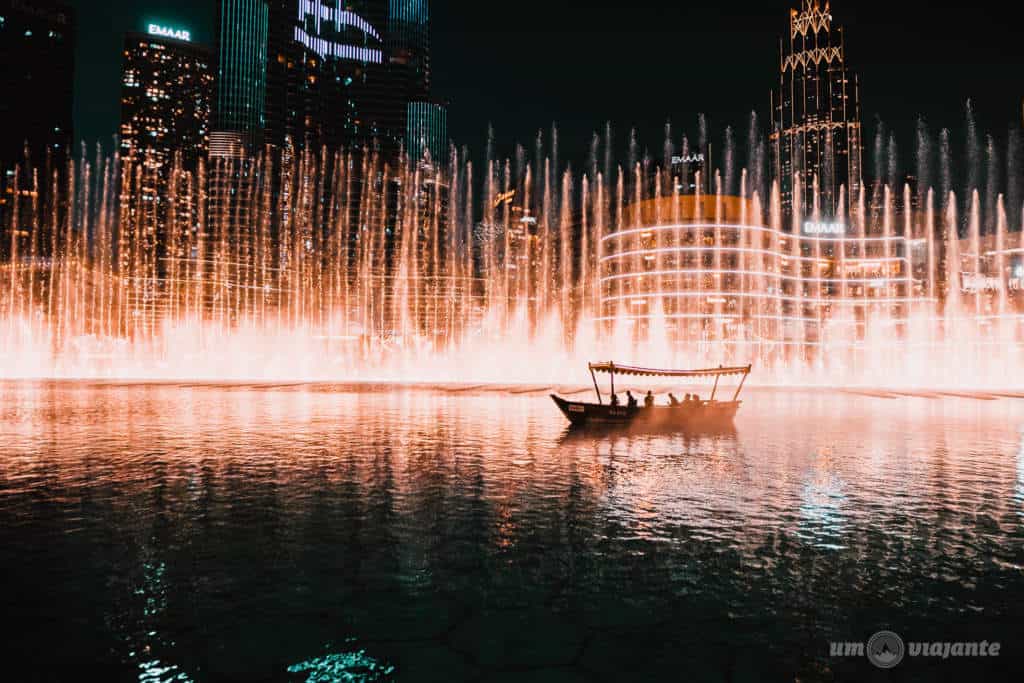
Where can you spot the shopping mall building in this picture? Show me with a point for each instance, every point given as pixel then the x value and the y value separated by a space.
pixel 707 269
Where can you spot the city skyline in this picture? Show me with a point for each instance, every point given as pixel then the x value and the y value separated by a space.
pixel 419 340
pixel 548 84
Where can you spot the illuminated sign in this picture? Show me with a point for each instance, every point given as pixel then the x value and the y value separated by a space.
pixel 168 32
pixel 821 228
pixel 338 19
pixel 504 198
pixel 972 282
pixel 688 159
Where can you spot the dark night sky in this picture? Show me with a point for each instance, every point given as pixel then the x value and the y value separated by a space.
pixel 525 64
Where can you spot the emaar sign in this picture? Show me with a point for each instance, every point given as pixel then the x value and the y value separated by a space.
pixel 832 229
pixel 168 32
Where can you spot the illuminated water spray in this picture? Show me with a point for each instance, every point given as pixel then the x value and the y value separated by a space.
pixel 306 266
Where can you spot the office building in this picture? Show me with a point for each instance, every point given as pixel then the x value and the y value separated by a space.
pixel 427 131
pixel 342 74
pixel 166 99
pixel 240 107
pixel 166 94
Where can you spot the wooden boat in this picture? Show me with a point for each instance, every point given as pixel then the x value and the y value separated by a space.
pixel 695 414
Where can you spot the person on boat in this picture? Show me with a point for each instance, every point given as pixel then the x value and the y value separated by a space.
pixel 615 399
pixel 630 399
pixel 687 398
pixel 649 400
pixel 696 399
pixel 673 401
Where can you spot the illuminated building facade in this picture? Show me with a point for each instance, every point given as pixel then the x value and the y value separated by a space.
pixel 427 130
pixel 232 170
pixel 342 74
pixel 990 276
pixel 816 131
pixel 166 99
pixel 166 93
pixel 706 270
pixel 37 49
pixel 242 69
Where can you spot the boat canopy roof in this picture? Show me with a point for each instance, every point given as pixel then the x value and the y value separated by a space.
pixel 611 368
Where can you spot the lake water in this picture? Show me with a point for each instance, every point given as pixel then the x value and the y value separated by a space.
pixel 322 533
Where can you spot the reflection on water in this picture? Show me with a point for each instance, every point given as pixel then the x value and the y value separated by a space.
pixel 344 666
pixel 195 532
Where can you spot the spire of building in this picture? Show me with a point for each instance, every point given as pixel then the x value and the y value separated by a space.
pixel 816 131
pixel 812 18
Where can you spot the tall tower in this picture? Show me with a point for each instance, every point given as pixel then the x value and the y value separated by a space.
pixel 166 98
pixel 342 73
pixel 816 131
pixel 324 69
pixel 166 92
pixel 242 70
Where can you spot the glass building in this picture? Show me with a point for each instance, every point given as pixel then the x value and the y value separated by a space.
pixel 341 74
pixel 427 130
pixel 242 69
pixel 816 131
pixel 708 270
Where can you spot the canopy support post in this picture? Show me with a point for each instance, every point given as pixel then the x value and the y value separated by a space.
pixel 740 387
pixel 596 389
pixel 713 390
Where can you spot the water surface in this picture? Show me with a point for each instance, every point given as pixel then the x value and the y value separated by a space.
pixel 293 533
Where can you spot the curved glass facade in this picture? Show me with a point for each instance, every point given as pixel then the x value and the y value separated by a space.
pixel 706 270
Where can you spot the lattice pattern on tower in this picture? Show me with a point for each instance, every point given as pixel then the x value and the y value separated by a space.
pixel 811 19
pixel 813 57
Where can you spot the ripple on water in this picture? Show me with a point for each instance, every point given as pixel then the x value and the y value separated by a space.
pixel 466 531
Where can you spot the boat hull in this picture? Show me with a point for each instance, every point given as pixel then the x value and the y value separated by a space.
pixel 702 415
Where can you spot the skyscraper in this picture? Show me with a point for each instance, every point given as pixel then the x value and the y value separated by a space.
pixel 232 171
pixel 166 93
pixel 341 73
pixel 242 70
pixel 816 131
pixel 427 129
pixel 166 99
